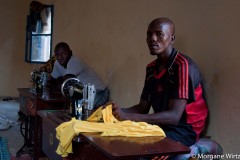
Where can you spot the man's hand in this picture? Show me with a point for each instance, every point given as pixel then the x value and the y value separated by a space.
pixel 116 111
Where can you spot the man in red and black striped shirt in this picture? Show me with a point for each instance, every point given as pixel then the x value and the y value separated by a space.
pixel 173 87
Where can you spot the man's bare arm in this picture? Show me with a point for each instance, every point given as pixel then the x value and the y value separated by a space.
pixel 142 107
pixel 137 113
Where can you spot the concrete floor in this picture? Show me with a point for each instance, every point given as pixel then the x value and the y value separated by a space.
pixel 10 109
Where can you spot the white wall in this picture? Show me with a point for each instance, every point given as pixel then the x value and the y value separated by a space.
pixel 110 37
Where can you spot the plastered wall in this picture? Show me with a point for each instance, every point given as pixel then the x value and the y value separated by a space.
pixel 110 36
pixel 13 71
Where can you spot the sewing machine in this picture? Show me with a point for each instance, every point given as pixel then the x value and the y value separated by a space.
pixel 39 80
pixel 81 97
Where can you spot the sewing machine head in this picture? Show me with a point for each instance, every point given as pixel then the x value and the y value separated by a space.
pixel 39 80
pixel 81 97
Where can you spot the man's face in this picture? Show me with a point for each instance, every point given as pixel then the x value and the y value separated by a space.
pixel 159 37
pixel 62 56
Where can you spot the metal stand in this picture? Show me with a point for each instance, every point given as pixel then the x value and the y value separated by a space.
pixel 27 129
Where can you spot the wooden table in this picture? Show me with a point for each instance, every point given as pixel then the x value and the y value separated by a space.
pixel 92 146
pixel 134 147
pixel 30 103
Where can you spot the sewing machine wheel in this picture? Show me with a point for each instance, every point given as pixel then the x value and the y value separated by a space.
pixel 67 84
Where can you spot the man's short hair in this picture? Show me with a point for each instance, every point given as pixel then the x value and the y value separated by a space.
pixel 62 45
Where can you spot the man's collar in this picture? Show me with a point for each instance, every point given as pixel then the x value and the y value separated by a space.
pixel 172 58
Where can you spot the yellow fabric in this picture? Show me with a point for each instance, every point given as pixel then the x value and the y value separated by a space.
pixel 109 127
pixel 48 67
pixel 103 115
pixel 96 116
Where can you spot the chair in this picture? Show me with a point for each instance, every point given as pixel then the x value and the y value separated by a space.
pixel 202 148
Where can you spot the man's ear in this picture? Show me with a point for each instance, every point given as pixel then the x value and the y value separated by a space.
pixel 173 38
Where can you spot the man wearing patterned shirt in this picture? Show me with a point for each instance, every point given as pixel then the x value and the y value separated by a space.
pixel 173 88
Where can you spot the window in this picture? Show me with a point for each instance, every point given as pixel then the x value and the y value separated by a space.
pixel 39 29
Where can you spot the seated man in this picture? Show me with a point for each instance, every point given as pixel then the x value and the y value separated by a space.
pixel 68 65
pixel 173 87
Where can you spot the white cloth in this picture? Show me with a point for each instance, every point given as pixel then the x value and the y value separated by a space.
pixel 5 123
pixel 9 113
pixel 78 68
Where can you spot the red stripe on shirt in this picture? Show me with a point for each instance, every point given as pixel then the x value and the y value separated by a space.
pixel 179 79
pixel 183 76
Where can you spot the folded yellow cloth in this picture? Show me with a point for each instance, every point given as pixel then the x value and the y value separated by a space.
pixel 104 122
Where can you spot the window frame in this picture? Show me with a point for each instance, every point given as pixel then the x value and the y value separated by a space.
pixel 30 35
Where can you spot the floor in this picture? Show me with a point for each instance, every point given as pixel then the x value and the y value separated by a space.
pixel 9 108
